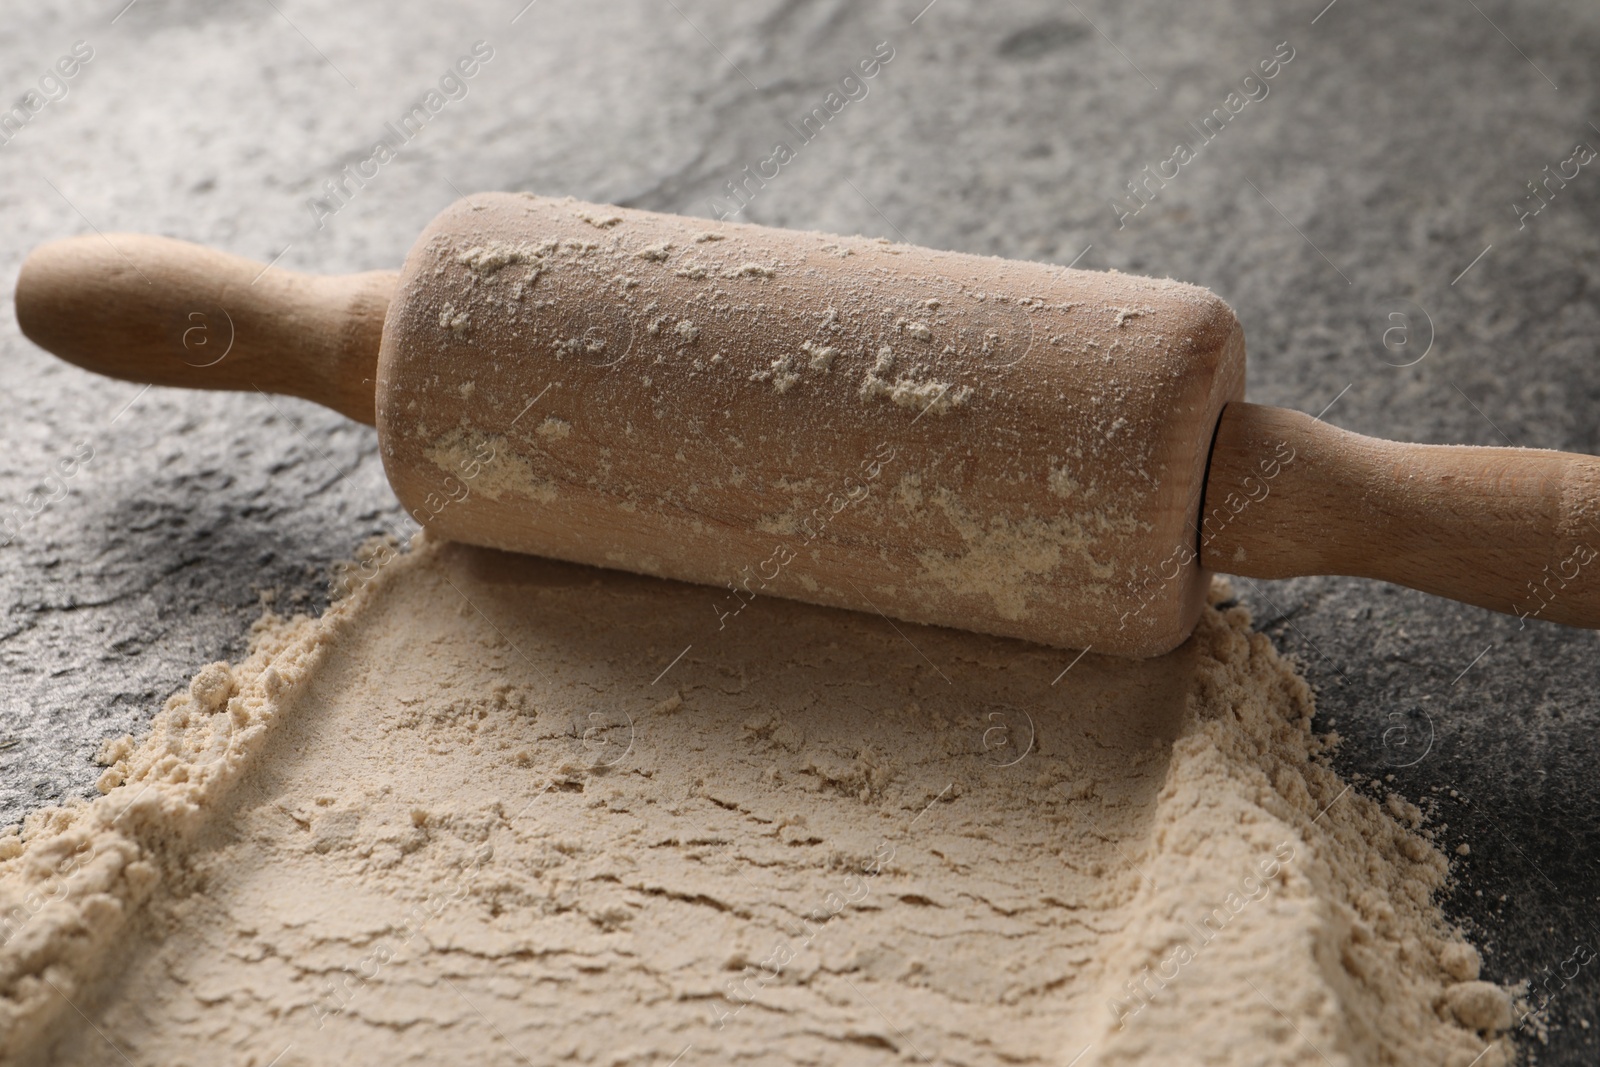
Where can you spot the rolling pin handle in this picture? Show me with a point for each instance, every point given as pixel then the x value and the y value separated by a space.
pixel 1516 530
pixel 152 309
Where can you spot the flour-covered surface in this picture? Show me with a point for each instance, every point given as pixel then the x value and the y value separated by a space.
pixel 479 812
pixel 1398 141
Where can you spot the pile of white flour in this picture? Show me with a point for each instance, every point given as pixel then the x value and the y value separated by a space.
pixel 478 813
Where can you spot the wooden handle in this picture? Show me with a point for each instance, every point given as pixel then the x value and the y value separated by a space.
pixel 1512 529
pixel 151 309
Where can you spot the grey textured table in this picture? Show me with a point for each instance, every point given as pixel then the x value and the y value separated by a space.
pixel 1384 173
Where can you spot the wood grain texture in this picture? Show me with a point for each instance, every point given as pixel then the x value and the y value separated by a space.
pixel 1516 530
pixel 1015 448
pixel 152 309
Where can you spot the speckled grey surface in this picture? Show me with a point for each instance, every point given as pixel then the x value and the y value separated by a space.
pixel 1383 162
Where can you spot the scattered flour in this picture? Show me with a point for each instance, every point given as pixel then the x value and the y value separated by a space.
pixel 453 320
pixel 780 372
pixel 489 259
pixel 457 820
pixel 554 429
pixel 924 396
pixel 1063 484
pixel 487 464
pixel 1002 559
pixel 820 357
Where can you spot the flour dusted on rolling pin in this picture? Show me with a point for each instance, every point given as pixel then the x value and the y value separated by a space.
pixel 1016 448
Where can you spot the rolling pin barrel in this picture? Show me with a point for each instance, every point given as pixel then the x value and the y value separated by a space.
pixel 1010 447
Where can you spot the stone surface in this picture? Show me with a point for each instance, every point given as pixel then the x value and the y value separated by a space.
pixel 1386 157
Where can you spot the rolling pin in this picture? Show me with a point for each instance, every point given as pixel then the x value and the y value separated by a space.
pixel 1016 448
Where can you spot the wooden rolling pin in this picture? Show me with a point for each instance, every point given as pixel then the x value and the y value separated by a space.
pixel 1017 448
